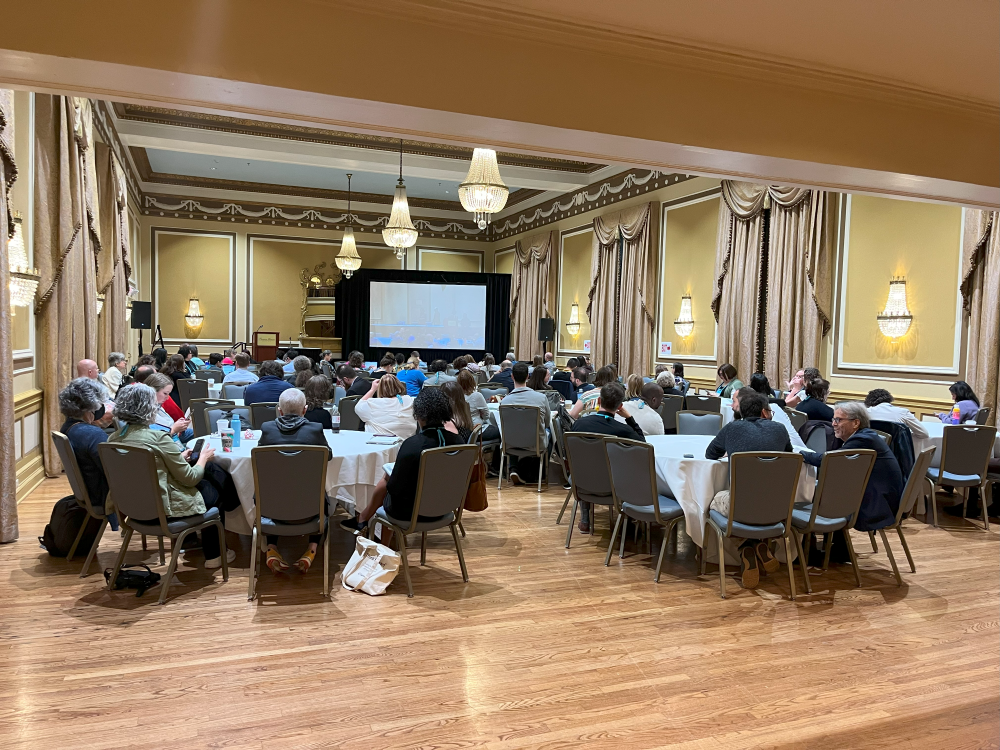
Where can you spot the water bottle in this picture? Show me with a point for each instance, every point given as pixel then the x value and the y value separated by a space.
pixel 956 415
pixel 236 430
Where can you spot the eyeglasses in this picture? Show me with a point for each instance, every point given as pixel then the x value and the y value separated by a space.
pixel 838 420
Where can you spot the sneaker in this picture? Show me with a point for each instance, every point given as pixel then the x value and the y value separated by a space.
pixel 515 479
pixel 766 560
pixel 749 572
pixel 351 524
pixel 216 562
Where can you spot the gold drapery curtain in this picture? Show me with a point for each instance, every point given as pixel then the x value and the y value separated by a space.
pixel 981 297
pixel 8 470
pixel 799 269
pixel 113 261
pixel 67 242
pixel 621 317
pixel 529 296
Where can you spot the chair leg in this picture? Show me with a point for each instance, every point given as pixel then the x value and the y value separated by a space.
pixel 663 548
pixel 572 523
pixel 871 536
pixel 565 504
pixel 791 572
pixel 854 557
pixel 423 547
pixel 254 554
pixel 621 549
pixel 143 542
pixel 932 501
pixel 906 547
pixel 79 536
pixel 965 500
pixel 175 553
pixel 722 564
pixel 159 541
pixel 461 557
pixel 614 533
pixel 93 548
pixel 541 463
pixel 461 528
pixel 704 545
pixel 406 567
pixel 803 563
pixel 827 548
pixel 326 564
pixel 892 560
pixel 120 559
pixel 985 492
pixel 224 550
pixel 500 473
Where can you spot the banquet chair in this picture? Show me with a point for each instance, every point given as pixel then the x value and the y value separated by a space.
pixel 209 373
pixel 481 376
pixel 521 430
pixel 818 439
pixel 338 393
pixel 633 488
pixel 591 377
pixel 189 388
pixel 442 482
pixel 668 413
pixel 349 420
pixel 559 452
pixel 982 415
pixel 213 415
pixel 797 418
pixel 762 486
pixel 431 385
pixel 233 390
pixel 843 476
pixel 965 457
pixel 199 420
pixel 135 491
pixel 698 423
pixel 492 390
pixel 885 436
pixel 565 389
pixel 703 403
pixel 79 488
pixel 590 478
pixel 914 486
pixel 289 483
pixel 263 411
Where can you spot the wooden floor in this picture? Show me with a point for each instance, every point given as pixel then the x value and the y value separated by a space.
pixel 545 647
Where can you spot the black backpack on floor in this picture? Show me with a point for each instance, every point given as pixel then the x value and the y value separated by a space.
pixel 63 526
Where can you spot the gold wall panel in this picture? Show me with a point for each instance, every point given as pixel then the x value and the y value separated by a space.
pixel 193 264
pixel 450 260
pixel 574 286
pixel 505 262
pixel 21 325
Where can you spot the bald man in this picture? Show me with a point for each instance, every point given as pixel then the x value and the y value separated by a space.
pixel 87 368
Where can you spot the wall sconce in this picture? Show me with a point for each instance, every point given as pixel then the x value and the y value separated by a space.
pixel 573 324
pixel 684 325
pixel 194 318
pixel 128 311
pixel 895 319
pixel 100 303
pixel 23 279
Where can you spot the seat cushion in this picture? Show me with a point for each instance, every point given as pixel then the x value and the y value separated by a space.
pixel 587 497
pixel 299 528
pixel 955 480
pixel 822 525
pixel 174 525
pixel 669 510
pixel 437 523
pixel 745 531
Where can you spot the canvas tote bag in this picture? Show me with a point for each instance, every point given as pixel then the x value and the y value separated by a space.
pixel 371 568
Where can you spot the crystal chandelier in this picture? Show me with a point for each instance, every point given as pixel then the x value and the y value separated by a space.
pixel 684 324
pixel 23 279
pixel 348 259
pixel 573 324
pixel 483 193
pixel 194 318
pixel 895 319
pixel 400 232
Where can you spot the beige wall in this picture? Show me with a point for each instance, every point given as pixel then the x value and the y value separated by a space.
pixel 574 286
pixel 503 259
pixel 464 261
pixel 194 264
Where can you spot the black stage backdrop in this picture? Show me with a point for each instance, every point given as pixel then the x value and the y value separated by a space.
pixel 353 300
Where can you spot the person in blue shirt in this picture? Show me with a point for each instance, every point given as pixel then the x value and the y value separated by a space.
pixel 240 373
pixel 269 387
pixel 289 361
pixel 412 378
pixel 195 359
pixel 81 402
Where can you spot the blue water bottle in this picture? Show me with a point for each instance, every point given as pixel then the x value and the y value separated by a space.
pixel 236 430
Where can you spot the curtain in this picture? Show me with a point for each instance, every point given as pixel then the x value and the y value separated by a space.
pixel 621 318
pixel 529 295
pixel 8 470
pixel 981 297
pixel 113 262
pixel 67 242
pixel 800 256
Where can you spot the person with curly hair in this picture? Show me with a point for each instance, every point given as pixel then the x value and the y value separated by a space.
pixel 317 392
pixel 82 403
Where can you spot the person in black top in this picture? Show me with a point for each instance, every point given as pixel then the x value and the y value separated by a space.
pixel 760 383
pixel 354 385
pixel 317 393
pixel 385 366
pixel 505 377
pixel 567 374
pixel 603 422
pixel 82 402
pixel 815 407
pixel 176 369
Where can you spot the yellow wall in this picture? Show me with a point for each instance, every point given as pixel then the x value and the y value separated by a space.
pixel 922 242
pixel 688 267
pixel 198 265
pixel 469 261
pixel 503 261
pixel 574 285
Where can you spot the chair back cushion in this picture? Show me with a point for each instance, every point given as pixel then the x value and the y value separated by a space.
pixel 698 423
pixel 797 418
pixel 966 449
pixel 983 415
pixel 233 390
pixel 520 426
pixel 349 420
pixel 263 411
pixel 73 474
pixel 762 486
pixel 588 466
pixel 564 387
pixel 289 481
pixel 633 473
pixel 901 444
pixel 843 476
pixel 134 487
pixel 915 484
pixel 214 415
pixel 703 403
pixel 668 411
pixel 199 418
pixel 443 480
pixel 189 388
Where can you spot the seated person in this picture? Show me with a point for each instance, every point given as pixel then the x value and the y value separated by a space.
pixel 303 370
pixel 578 377
pixel 241 374
pixel 524 396
pixel 760 383
pixel 82 403
pixel 538 380
pixel 112 377
pixel 144 371
pixel 411 377
pixel 681 384
pixel 87 368
pixel 777 415
pixel 815 407
pixel 461 416
pixel 880 408
pixel 633 386
pixel 436 373
pixel 589 397
pixel 186 490
pixel 536 361
pixel 270 385
pixel 186 352
pixel 317 393
pixel 644 409
pixel 668 383
pixel 550 362
pixel 386 408
pixel 288 361
pixel 478 409
pixel 503 376
pixel 605 422
pixel 966 402
pixel 385 366
pixel 176 369
pixel 352 382
pixel 194 359
pixel 489 364
pixel 356 360
pixel 215 360
pixel 728 381
pixel 169 416
pixel 292 428
pixel 796 387
pixel 566 374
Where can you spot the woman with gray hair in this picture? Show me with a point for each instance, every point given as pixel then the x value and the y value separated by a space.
pixel 82 403
pixel 186 490
pixel 117 367
pixel 303 369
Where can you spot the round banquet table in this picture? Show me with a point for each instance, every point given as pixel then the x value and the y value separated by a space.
pixel 935 439
pixel 351 475
pixel 693 482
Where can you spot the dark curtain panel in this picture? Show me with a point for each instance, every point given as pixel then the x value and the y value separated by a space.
pixel 353 301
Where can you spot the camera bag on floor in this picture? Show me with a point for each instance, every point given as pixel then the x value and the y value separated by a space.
pixel 134 577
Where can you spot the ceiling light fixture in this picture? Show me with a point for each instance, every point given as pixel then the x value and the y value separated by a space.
pixel 483 193
pixel 23 279
pixel 400 233
pixel 348 259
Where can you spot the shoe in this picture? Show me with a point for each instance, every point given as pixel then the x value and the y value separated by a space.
pixel 192 542
pixel 515 479
pixel 584 527
pixel 216 562
pixel 351 524
pixel 275 561
pixel 749 572
pixel 767 561
pixel 305 562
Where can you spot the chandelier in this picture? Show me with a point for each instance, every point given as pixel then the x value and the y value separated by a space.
pixel 23 279
pixel 684 324
pixel 348 259
pixel 400 232
pixel 573 324
pixel 895 319
pixel 483 193
pixel 194 317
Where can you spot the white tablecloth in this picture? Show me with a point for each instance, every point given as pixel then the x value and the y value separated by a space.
pixel 351 475
pixel 727 411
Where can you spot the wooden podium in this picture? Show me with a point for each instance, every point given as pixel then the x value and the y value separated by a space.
pixel 265 345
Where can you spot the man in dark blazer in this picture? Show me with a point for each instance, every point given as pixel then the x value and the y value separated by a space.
pixel 505 377
pixel 355 385
pixel 291 427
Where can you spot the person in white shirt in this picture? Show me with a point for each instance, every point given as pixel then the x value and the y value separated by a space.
pixel 550 362
pixel 386 409
pixel 777 415
pixel 112 377
pixel 879 403
pixel 241 374
pixel 644 409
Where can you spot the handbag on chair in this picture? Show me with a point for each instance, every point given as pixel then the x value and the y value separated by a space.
pixel 475 496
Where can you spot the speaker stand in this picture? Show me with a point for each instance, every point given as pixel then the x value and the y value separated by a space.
pixel 140 342
pixel 157 338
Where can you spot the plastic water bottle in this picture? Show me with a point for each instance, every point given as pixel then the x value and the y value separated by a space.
pixel 236 430
pixel 956 415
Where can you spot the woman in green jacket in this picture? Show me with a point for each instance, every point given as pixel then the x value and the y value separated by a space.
pixel 186 490
pixel 730 383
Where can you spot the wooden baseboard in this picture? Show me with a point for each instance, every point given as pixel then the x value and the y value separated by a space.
pixel 30 474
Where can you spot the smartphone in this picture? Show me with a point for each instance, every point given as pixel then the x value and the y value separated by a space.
pixel 196 451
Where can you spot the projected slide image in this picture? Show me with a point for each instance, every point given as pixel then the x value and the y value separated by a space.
pixel 427 316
